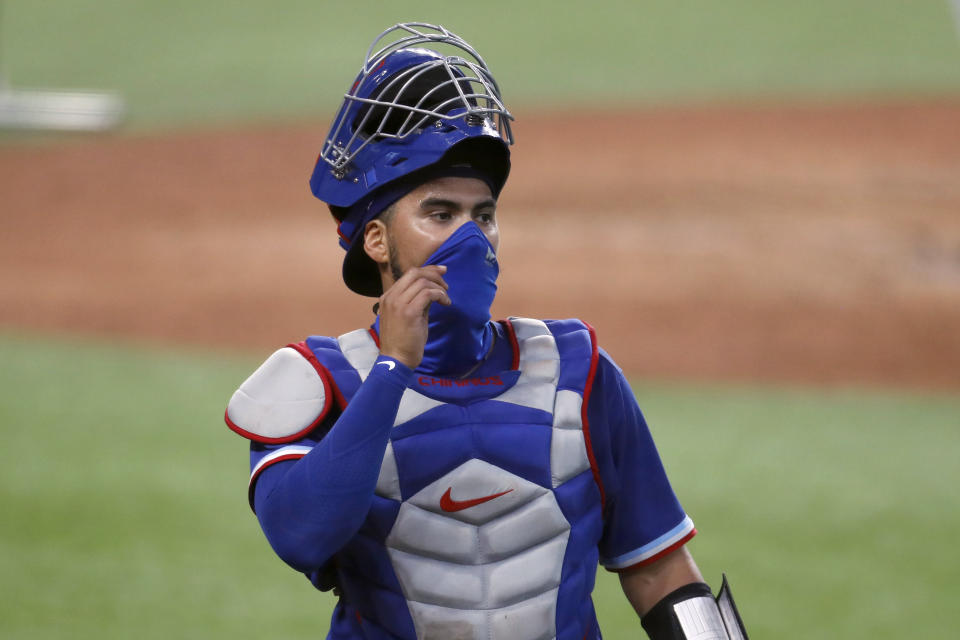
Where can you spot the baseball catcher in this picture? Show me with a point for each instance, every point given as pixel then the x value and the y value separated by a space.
pixel 448 476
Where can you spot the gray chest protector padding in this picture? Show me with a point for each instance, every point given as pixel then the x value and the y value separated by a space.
pixel 491 569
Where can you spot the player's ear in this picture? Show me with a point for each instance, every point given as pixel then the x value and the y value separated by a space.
pixel 376 242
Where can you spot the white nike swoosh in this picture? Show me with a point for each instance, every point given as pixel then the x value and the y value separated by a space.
pixel 390 364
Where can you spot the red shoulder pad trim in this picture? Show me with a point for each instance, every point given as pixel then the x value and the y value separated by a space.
pixel 329 391
pixel 329 384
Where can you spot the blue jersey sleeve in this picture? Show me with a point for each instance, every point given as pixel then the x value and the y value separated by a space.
pixel 312 496
pixel 643 519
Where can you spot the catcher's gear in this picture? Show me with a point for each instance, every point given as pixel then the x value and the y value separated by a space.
pixel 283 400
pixel 410 110
pixel 407 108
pixel 691 612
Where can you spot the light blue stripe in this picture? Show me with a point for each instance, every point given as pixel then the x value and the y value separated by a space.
pixel 651 548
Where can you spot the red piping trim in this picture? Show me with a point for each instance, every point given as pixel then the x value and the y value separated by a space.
pixel 660 554
pixel 343 236
pixel 328 380
pixel 376 338
pixel 325 377
pixel 594 358
pixel 253 478
pixel 512 334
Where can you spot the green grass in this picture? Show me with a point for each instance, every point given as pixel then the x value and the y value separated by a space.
pixel 833 512
pixel 124 509
pixel 194 62
pixel 123 500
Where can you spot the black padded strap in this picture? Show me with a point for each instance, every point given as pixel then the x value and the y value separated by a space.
pixel 661 622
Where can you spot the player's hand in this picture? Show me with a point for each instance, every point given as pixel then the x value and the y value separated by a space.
pixel 403 313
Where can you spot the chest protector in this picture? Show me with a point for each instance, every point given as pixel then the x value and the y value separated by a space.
pixel 487 514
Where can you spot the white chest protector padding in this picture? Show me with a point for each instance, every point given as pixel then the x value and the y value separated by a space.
pixel 491 570
pixel 283 399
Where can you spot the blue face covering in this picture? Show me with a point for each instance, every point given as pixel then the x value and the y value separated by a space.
pixel 460 335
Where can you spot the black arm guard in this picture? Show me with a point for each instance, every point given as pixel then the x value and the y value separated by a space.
pixel 692 612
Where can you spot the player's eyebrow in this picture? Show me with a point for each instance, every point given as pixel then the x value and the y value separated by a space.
pixel 444 203
pixel 489 203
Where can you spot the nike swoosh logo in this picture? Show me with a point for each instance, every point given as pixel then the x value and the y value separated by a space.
pixel 450 505
pixel 390 364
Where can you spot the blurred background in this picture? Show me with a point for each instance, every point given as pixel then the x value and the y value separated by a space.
pixel 757 205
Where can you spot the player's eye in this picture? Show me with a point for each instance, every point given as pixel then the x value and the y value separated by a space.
pixel 486 217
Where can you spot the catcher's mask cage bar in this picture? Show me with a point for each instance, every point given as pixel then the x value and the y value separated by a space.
pixel 477 95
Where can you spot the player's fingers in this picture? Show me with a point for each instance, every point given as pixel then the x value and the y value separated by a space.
pixel 405 303
pixel 426 297
pixel 433 273
pixel 412 296
pixel 406 295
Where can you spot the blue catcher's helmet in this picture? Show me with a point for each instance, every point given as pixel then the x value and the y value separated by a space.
pixel 410 108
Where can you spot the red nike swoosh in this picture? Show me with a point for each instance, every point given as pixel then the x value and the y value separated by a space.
pixel 450 505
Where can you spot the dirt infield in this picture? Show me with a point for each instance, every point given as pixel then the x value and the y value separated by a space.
pixel 800 243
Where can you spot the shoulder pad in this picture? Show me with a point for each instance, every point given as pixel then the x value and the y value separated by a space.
pixel 569 325
pixel 282 401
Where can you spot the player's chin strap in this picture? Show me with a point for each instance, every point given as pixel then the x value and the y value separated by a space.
pixel 692 613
